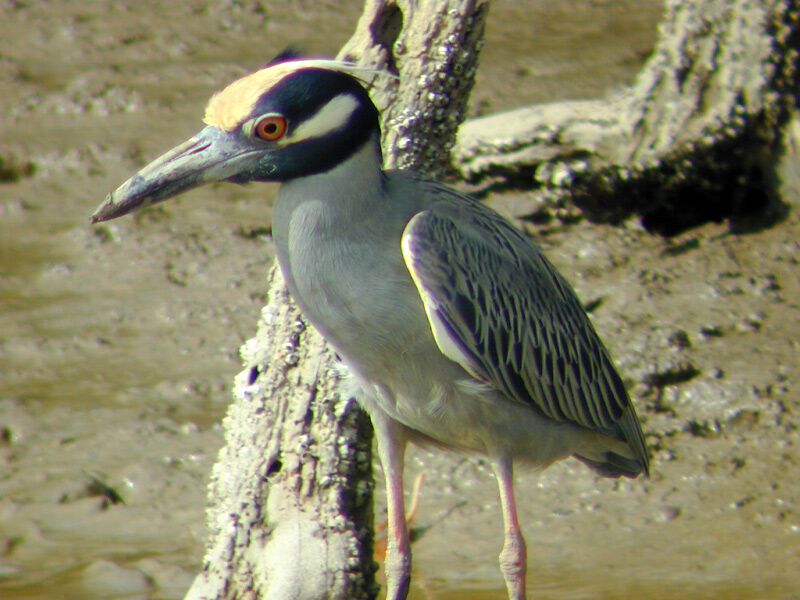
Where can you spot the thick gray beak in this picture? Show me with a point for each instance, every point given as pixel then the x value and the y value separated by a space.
pixel 211 155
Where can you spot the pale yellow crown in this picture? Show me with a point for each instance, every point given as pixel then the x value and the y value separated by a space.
pixel 229 107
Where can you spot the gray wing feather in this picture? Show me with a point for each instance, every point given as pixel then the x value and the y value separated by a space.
pixel 511 318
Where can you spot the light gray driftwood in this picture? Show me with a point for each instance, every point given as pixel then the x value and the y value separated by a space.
pixel 698 136
pixel 434 46
pixel 290 496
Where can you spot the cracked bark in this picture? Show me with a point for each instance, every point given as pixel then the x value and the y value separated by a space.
pixel 290 497
pixel 701 135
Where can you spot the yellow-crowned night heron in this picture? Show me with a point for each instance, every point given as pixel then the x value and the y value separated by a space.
pixel 455 327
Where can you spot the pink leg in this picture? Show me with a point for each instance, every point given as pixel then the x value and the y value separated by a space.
pixel 397 565
pixel 513 556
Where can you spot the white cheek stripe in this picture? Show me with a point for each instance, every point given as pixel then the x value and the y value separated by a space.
pixel 334 115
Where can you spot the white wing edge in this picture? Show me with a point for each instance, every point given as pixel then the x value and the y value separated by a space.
pixel 446 342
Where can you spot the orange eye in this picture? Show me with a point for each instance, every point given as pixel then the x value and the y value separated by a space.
pixel 271 127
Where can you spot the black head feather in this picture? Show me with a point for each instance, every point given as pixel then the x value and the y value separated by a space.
pixel 288 53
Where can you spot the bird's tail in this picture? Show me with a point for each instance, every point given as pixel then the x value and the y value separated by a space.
pixel 613 465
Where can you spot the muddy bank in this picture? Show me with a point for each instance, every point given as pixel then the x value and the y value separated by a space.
pixel 118 344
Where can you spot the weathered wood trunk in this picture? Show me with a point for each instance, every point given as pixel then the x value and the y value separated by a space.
pixel 697 137
pixel 286 520
pixel 290 498
pixel 433 46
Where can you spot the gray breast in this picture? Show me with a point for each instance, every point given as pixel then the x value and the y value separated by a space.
pixel 348 276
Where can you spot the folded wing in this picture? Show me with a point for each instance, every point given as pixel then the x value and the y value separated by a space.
pixel 501 310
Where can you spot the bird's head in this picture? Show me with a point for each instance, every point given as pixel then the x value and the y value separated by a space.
pixel 292 118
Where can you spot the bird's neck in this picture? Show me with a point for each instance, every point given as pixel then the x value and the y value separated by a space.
pixel 347 191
